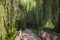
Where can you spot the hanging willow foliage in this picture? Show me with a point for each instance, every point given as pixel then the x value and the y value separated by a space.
pixel 34 13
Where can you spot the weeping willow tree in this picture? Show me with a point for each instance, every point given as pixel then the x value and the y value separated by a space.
pixel 57 28
pixel 50 13
pixel 14 14
pixel 3 32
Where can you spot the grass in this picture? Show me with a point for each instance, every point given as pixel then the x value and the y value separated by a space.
pixel 12 33
pixel 35 31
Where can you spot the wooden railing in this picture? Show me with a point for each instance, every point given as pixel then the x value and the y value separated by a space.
pixel 46 35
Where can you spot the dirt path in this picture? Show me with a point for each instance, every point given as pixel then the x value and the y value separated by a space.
pixel 27 35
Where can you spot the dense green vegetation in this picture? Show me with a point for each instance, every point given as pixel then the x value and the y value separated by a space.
pixel 21 14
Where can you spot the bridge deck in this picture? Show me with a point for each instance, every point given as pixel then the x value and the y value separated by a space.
pixel 27 35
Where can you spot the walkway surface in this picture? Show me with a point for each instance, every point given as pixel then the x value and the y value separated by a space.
pixel 27 35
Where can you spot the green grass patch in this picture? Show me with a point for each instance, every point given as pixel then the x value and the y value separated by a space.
pixel 36 32
pixel 12 33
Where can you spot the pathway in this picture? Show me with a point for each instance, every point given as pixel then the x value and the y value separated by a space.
pixel 27 35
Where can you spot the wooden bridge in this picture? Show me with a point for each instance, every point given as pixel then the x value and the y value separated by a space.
pixel 26 35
